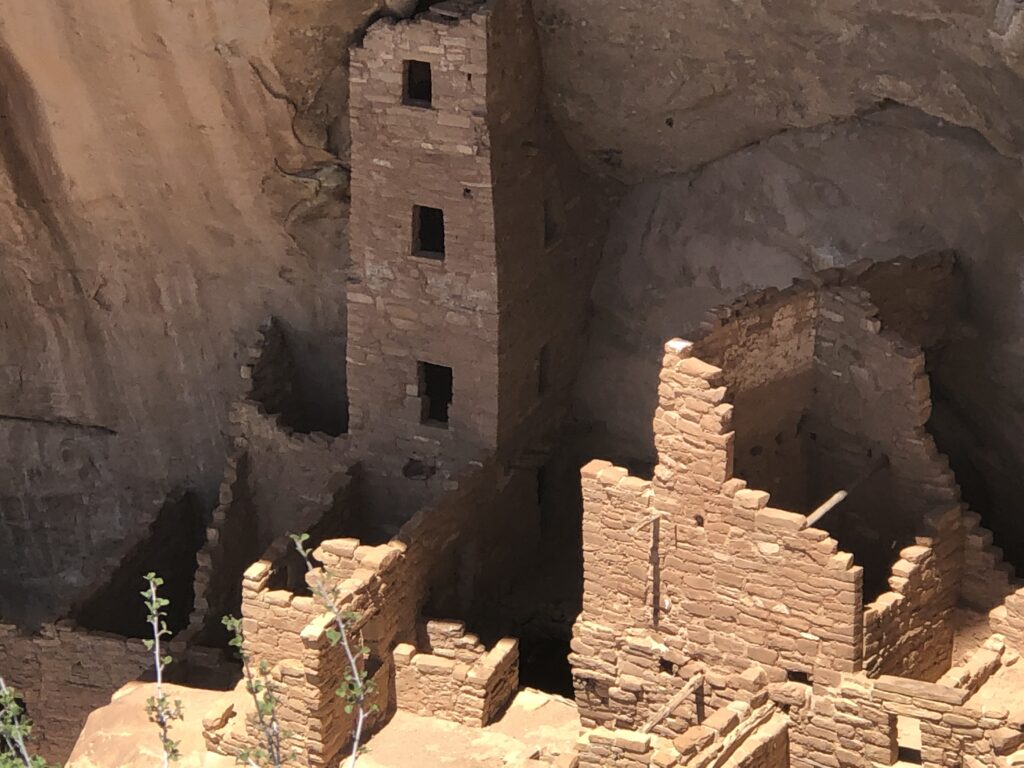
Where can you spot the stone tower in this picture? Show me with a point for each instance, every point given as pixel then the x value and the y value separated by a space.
pixel 456 293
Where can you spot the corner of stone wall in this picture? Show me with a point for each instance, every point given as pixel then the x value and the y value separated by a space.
pixel 457 679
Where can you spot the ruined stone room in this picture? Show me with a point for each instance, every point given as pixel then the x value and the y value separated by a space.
pixel 511 383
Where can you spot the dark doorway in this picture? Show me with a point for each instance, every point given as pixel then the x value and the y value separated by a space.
pixel 544 665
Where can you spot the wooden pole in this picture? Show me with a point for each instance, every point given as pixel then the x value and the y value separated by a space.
pixel 840 496
pixel 691 685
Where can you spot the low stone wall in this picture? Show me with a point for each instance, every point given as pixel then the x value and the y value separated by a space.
pixel 458 679
pixel 1008 618
pixel 736 735
pixel 951 729
pixel 614 748
pixel 907 631
pixel 973 673
pixel 63 673
pixel 767 747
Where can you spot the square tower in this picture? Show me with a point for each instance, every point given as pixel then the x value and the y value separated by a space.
pixel 451 299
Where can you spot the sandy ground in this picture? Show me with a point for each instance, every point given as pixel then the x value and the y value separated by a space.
pixel 535 724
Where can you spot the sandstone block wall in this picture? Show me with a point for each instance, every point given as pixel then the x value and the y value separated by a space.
pixel 231 538
pixel 908 631
pixel 386 586
pixel 715 581
pixel 64 673
pixel 405 308
pixel 457 678
pixel 1008 618
pixel 987 579
pixel 307 395
pixel 504 307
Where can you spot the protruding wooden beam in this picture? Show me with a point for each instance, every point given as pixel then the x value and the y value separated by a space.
pixel 839 497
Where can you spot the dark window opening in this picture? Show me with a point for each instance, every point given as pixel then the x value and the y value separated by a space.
pixel 419 87
pixel 428 232
pixel 436 391
pixel 908 755
pixel 543 372
pixel 552 231
pixel 666 666
pixel 796 676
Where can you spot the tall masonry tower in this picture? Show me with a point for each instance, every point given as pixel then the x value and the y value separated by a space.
pixel 456 296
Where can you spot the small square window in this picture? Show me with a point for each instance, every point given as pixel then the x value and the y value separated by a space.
pixel 418 86
pixel 428 232
pixel 436 393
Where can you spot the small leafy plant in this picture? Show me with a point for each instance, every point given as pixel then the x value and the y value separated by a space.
pixel 260 686
pixel 356 688
pixel 15 729
pixel 161 710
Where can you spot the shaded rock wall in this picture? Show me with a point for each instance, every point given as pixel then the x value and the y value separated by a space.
pixel 660 86
pixel 164 186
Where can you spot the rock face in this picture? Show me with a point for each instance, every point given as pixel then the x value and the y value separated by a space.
pixel 646 88
pixel 173 173
pixel 165 185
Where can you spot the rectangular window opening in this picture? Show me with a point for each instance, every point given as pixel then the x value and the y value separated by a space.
pixel 418 85
pixel 543 372
pixel 428 232
pixel 436 393
pixel 796 676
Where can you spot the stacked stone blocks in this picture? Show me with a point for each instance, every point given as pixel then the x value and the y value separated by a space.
pixel 458 678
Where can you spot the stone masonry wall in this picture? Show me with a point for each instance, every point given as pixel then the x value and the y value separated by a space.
pixel 231 538
pixel 1008 618
pixel 64 673
pixel 908 630
pixel 777 593
pixel 386 586
pixel 457 678
pixel 764 344
pixel 522 236
pixel 695 574
pixel 876 386
pixel 403 307
pixel 806 613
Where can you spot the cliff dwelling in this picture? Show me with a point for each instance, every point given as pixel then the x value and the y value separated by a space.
pixel 640 411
